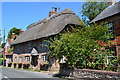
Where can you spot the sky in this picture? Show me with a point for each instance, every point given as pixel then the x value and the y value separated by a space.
pixel 54 0
pixel 22 14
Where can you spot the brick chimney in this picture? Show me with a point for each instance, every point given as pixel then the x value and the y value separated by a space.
pixel 13 36
pixel 54 10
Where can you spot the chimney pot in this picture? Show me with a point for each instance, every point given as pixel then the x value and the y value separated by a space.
pixel 54 10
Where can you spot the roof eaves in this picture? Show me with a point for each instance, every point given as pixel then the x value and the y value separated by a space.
pixel 109 10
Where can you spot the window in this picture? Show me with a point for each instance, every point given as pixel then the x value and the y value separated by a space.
pixel 9 58
pixel 15 59
pixel 44 43
pixel 20 59
pixel 68 28
pixel 45 57
pixel 112 56
pixel 110 27
pixel 27 58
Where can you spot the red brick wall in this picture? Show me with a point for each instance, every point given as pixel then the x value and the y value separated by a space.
pixel 116 22
pixel 118 40
pixel 115 19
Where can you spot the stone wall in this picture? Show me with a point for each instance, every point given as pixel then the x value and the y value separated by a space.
pixel 87 73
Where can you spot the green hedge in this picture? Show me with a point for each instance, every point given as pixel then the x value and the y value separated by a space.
pixel 1 56
pixel 1 60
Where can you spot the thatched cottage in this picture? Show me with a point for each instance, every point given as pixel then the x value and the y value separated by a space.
pixel 27 47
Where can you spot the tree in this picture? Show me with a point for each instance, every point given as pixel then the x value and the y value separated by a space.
pixel 91 9
pixel 80 47
pixel 0 40
pixel 13 30
pixel 11 49
pixel 2 45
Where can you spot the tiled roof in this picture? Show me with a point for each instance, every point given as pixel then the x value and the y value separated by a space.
pixel 109 11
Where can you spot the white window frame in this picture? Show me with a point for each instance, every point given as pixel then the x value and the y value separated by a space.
pixel 20 59
pixel 15 59
pixel 44 57
pixel 108 58
pixel 27 58
pixel 9 58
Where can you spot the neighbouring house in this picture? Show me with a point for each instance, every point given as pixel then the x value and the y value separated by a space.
pixel 8 50
pixel 1 56
pixel 28 49
pixel 111 15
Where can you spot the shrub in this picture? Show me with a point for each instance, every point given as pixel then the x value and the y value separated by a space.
pixel 11 49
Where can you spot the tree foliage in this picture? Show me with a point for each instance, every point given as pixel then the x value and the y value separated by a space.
pixel 80 47
pixel 11 49
pixel 91 9
pixel 1 56
pixel 3 45
pixel 13 30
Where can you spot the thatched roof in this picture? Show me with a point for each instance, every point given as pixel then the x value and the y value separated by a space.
pixel 108 12
pixel 48 26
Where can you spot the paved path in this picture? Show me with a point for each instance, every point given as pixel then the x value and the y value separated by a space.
pixel 12 74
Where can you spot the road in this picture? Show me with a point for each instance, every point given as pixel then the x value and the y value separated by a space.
pixel 13 74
